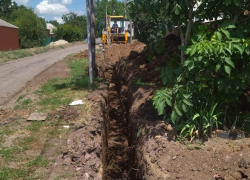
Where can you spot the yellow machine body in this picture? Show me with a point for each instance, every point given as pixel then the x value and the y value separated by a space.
pixel 109 37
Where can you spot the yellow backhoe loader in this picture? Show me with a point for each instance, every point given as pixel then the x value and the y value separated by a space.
pixel 115 32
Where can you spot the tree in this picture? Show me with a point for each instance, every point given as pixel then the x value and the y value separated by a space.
pixel 74 28
pixel 6 8
pixel 213 71
pixel 32 29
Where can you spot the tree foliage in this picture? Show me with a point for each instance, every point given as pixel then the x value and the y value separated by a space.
pixel 74 28
pixel 31 28
pixel 212 76
pixel 6 8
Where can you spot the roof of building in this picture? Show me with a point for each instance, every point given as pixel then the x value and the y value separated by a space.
pixel 5 24
pixel 51 27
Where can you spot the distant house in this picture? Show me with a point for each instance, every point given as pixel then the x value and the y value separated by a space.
pixel 50 28
pixel 8 36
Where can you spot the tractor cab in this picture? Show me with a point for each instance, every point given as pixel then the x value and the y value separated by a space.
pixel 120 23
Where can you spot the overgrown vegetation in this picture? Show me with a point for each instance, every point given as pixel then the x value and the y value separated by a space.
pixel 24 143
pixel 73 29
pixel 208 85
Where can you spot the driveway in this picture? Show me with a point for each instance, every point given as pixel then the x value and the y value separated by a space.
pixel 15 74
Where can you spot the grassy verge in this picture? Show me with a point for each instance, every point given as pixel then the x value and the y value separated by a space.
pixel 6 56
pixel 23 149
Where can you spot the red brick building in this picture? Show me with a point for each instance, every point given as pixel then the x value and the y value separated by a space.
pixel 8 36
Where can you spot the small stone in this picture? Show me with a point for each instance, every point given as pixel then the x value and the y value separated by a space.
pixel 236 175
pixel 174 157
pixel 153 160
pixel 228 177
pixel 199 169
pixel 192 169
pixel 225 168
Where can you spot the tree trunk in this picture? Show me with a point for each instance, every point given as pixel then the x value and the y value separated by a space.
pixel 184 40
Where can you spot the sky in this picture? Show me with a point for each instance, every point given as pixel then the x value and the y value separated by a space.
pixel 54 9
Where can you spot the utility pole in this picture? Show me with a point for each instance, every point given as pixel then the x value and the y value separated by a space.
pixel 92 28
pixel 90 5
pixel 125 8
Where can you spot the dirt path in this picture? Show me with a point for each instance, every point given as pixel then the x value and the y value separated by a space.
pixel 15 74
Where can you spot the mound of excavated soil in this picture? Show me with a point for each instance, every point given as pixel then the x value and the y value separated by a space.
pixel 153 150
pixel 58 43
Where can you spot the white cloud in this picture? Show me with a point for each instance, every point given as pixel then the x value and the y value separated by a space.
pixel 24 2
pixel 59 20
pixel 45 7
pixel 66 2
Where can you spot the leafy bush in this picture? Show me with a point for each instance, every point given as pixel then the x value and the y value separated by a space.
pixel 217 68
pixel 70 33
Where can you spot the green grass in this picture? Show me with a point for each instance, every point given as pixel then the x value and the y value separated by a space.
pixel 36 126
pixel 55 93
pixel 22 104
pixel 26 102
pixel 26 141
pixel 12 174
pixel 8 152
pixel 39 161
pixel 20 98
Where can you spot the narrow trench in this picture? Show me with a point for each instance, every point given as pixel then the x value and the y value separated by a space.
pixel 116 151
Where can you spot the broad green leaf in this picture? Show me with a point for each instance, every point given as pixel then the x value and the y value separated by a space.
pixel 247 50
pixel 187 102
pixel 186 63
pixel 231 26
pixel 229 61
pixel 228 50
pixel 183 48
pixel 226 23
pixel 177 10
pixel 219 36
pixel 178 111
pixel 191 65
pixel 235 40
pixel 227 69
pixel 240 48
pixel 184 107
pixel 218 67
pixel 168 102
pixel 226 33
pixel 193 50
pixel 186 96
pixel 173 116
pixel 195 116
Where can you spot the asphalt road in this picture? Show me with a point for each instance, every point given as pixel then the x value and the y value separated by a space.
pixel 15 74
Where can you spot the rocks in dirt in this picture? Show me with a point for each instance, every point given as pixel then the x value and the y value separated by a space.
pixel 236 175
pixel 83 147
pixel 243 163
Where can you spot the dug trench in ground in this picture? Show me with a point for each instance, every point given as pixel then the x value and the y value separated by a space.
pixel 119 150
pixel 153 152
